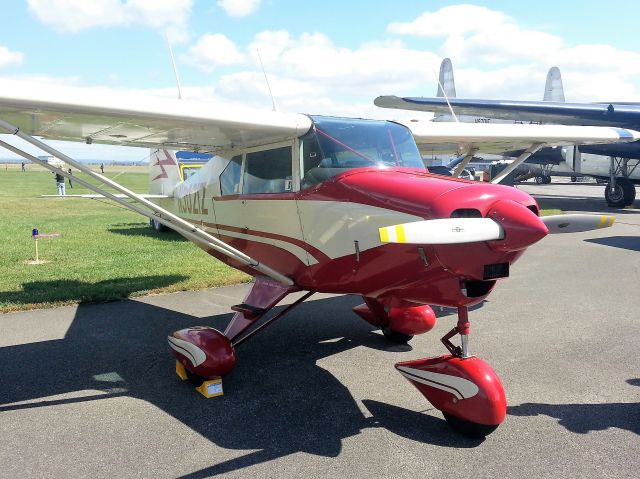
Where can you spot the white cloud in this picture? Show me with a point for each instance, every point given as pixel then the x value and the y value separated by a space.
pixel 212 51
pixel 239 8
pixel 7 57
pixel 479 34
pixel 309 72
pixel 496 57
pixel 73 16
pixel 314 58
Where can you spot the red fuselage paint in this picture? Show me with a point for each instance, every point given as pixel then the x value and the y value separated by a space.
pixel 434 275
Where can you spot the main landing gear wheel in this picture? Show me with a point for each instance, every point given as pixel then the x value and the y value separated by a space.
pixel 194 378
pixel 156 225
pixel 468 428
pixel 395 336
pixel 543 179
pixel 624 193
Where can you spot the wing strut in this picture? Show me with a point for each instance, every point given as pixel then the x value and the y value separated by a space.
pixel 526 154
pixel 463 164
pixel 153 211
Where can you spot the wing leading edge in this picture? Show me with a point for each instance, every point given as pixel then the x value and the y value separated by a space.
pixel 459 138
pixel 596 114
pixel 148 122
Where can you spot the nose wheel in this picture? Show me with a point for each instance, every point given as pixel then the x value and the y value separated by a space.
pixel 464 387
pixel 469 428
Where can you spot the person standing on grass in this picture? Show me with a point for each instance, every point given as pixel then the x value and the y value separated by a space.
pixel 101 167
pixel 23 168
pixel 60 183
pixel 70 184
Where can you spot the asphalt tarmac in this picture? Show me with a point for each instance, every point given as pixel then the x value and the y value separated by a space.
pixel 90 391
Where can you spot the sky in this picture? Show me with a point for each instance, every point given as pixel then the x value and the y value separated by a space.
pixel 329 57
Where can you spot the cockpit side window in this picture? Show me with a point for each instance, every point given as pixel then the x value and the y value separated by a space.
pixel 268 171
pixel 230 177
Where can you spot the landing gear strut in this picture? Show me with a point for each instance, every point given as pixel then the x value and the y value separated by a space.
pixel 465 388
pixel 620 191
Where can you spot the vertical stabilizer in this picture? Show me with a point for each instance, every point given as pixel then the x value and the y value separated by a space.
pixel 446 88
pixel 553 89
pixel 445 80
pixel 164 172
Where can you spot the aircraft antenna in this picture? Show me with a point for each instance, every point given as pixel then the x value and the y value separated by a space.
pixel 175 68
pixel 446 97
pixel 273 100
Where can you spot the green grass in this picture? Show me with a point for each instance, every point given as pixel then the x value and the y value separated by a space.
pixel 550 212
pixel 104 253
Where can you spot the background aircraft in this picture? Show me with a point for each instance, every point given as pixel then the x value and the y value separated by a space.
pixel 324 204
pixel 617 164
pixel 539 165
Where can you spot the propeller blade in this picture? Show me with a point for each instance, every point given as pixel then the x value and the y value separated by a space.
pixel 443 231
pixel 576 223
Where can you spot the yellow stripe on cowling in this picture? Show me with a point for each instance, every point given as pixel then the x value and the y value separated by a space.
pixel 612 219
pixel 603 221
pixel 400 236
pixel 384 235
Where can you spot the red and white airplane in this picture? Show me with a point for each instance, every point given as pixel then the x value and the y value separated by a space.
pixel 325 204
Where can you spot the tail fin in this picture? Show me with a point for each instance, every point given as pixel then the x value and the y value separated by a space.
pixel 164 172
pixel 553 89
pixel 446 87
pixel 445 80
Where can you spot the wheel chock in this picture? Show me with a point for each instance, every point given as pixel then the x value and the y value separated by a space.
pixel 211 388
pixel 181 371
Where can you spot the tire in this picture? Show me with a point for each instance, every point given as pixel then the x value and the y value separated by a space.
pixel 539 180
pixel 468 428
pixel 547 180
pixel 629 192
pixel 574 179
pixel 395 336
pixel 624 194
pixel 156 225
pixel 194 378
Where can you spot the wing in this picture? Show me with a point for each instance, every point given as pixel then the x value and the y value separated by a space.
pixel 461 138
pixel 468 138
pixel 148 122
pixel 95 197
pixel 596 114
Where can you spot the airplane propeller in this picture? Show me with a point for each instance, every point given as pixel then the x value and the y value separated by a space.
pixel 443 231
pixel 471 230
pixel 576 223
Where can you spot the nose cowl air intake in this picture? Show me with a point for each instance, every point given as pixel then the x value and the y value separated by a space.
pixel 521 226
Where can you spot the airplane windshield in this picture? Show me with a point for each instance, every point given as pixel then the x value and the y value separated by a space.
pixel 336 145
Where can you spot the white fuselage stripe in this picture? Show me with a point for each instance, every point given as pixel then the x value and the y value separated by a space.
pixel 295 250
pixel 461 388
pixel 189 350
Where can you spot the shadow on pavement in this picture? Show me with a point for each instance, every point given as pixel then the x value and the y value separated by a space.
pixel 631 243
pixel 584 418
pixel 278 401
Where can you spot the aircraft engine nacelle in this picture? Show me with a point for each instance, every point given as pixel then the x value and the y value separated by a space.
pixel 203 351
pixel 467 391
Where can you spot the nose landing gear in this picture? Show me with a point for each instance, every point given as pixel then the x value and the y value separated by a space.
pixel 465 388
